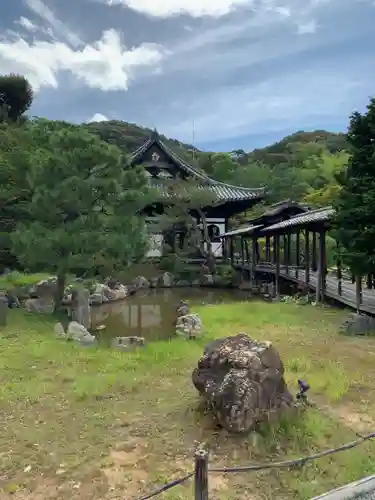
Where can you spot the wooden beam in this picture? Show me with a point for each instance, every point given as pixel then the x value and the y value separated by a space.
pixel 277 273
pixel 358 293
pixel 339 270
pixel 307 257
pixel 288 244
pixel 253 260
pixel 298 245
pixel 268 249
pixel 314 252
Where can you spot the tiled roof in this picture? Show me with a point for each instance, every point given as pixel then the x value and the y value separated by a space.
pixel 240 230
pixel 222 190
pixel 319 215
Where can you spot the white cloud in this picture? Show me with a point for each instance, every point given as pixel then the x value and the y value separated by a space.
pixel 194 8
pixel 27 24
pixel 59 28
pixel 106 64
pixel 98 117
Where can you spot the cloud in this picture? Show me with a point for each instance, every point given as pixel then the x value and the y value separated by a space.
pixel 60 29
pixel 105 64
pixel 194 8
pixel 98 117
pixel 27 24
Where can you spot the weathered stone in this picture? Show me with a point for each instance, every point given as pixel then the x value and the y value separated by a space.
pixel 81 312
pixel 59 331
pixel 141 282
pixel 121 292
pixel 13 300
pixel 127 343
pixel 166 280
pixel 45 288
pixel 104 290
pixel 3 309
pixel 183 309
pixel 154 282
pixel 189 325
pixel 358 324
pixel 79 333
pixel 41 305
pixel 96 299
pixel 243 382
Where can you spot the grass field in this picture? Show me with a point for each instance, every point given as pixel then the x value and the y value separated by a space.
pixel 101 424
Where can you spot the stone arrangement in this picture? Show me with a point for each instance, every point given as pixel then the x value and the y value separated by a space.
pixel 242 382
pixel 189 325
pixel 358 324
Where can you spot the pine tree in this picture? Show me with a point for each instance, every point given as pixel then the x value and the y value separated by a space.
pixel 354 222
pixel 84 208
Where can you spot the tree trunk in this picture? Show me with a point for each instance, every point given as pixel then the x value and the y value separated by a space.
pixel 59 295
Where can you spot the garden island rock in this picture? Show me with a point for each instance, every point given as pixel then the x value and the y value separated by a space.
pixel 242 381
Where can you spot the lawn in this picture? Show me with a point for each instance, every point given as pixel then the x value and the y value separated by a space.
pixel 88 423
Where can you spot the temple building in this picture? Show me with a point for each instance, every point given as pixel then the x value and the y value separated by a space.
pixel 161 163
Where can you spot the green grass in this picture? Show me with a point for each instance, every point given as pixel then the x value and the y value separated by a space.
pixel 95 423
pixel 17 279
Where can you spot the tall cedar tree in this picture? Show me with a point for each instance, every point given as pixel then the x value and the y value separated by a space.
pixel 83 212
pixel 16 96
pixel 355 206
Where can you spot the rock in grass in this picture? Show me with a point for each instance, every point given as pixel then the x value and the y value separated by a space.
pixel 242 381
pixel 79 333
pixel 189 325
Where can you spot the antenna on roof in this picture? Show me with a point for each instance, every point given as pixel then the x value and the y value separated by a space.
pixel 193 140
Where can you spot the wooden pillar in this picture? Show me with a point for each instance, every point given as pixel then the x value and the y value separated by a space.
pixel 268 249
pixel 253 260
pixel 369 281
pixel 298 246
pixel 314 252
pixel 257 250
pixel 339 270
pixel 277 270
pixel 231 249
pixel 307 257
pixel 358 293
pixel 247 253
pixel 242 251
pixel 320 279
pixel 284 249
pixel 288 245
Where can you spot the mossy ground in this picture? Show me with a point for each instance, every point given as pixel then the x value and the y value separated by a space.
pixel 102 424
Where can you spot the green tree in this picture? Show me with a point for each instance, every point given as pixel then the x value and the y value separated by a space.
pixel 184 214
pixel 84 207
pixel 16 96
pixel 355 207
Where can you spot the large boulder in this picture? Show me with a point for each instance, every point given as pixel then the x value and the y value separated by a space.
pixel 243 382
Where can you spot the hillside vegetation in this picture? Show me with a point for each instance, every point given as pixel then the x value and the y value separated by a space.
pixel 302 166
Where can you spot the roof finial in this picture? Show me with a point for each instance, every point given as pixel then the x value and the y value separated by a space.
pixel 154 134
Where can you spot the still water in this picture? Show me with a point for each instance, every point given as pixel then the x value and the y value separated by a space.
pixel 152 313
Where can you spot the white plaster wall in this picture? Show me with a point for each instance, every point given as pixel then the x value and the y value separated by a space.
pixel 156 245
pixel 217 248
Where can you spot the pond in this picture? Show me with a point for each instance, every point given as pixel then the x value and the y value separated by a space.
pixel 152 313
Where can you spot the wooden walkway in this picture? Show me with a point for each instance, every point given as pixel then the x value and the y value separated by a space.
pixel 348 292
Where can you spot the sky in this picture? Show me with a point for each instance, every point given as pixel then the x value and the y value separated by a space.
pixel 219 74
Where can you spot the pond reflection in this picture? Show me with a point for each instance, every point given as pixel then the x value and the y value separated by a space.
pixel 152 313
